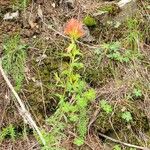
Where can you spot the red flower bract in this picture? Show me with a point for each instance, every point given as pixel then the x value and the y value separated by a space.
pixel 74 29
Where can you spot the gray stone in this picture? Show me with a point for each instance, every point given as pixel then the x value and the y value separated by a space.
pixel 128 10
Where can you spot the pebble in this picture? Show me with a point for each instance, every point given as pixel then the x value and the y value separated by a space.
pixel 10 16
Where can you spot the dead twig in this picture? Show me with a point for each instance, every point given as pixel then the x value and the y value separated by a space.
pixel 123 143
pixel 20 105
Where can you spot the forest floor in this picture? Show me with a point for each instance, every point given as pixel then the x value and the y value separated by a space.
pixel 116 58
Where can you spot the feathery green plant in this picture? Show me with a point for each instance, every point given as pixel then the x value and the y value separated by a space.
pixel 14 58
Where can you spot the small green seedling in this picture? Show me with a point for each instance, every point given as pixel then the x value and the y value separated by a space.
pixel 137 92
pixel 78 141
pixel 117 147
pixel 114 52
pixel 127 116
pixel 106 106
pixel 8 131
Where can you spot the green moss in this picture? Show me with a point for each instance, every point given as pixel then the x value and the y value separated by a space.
pixel 89 21
pixel 41 89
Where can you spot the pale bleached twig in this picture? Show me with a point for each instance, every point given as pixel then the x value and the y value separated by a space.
pixel 123 143
pixel 20 105
pixel 122 3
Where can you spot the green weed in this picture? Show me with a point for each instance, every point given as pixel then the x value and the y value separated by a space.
pixel 133 34
pixel 127 116
pixel 110 9
pixel 106 106
pixel 72 110
pixel 137 92
pixel 54 137
pixel 115 51
pixel 14 58
pixel 8 131
pixel 20 4
pixel 76 96
pixel 116 147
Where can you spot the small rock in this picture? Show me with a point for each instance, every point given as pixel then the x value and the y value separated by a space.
pixel 34 37
pixel 124 2
pixel 123 10
pixel 128 9
pixel 53 5
pixel 10 16
pixel 87 37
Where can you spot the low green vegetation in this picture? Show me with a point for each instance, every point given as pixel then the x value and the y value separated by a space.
pixel 127 116
pixel 137 92
pixel 116 147
pixel 106 106
pixel 14 59
pixel 20 4
pixel 89 21
pixel 115 51
pixel 7 132
pixel 73 101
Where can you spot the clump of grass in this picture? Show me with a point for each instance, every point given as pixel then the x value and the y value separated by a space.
pixel 7 131
pixel 133 35
pixel 14 58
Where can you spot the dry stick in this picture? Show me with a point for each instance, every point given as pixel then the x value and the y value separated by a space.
pixel 22 110
pixel 123 143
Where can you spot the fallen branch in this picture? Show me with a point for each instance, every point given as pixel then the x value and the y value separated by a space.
pixel 123 143
pixel 21 107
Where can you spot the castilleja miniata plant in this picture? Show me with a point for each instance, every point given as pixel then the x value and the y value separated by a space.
pixel 76 96
pixel 74 29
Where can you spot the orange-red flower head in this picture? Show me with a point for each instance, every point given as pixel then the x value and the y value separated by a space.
pixel 74 29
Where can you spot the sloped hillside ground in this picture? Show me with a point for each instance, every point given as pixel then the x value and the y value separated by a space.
pixel 116 58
